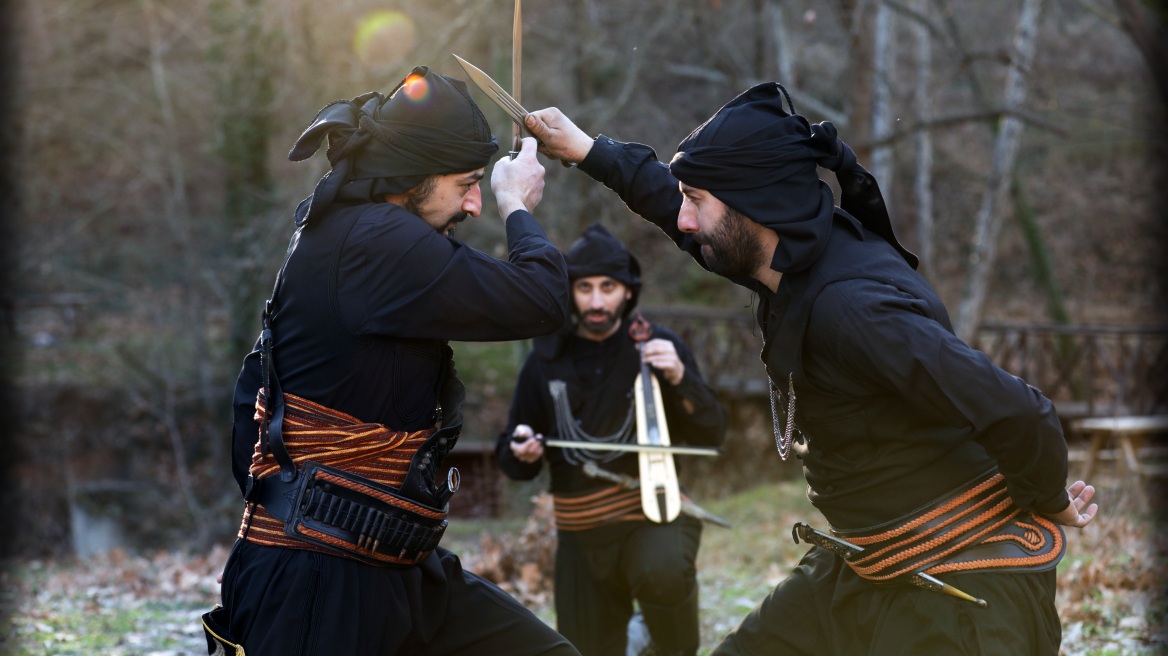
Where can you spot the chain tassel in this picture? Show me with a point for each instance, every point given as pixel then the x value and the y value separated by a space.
pixel 783 438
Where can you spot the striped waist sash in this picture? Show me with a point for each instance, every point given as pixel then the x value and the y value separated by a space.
pixel 979 528
pixel 600 508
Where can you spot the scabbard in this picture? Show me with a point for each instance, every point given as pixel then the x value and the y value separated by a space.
pixel 849 551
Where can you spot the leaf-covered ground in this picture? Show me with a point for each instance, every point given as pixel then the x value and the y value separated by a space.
pixel 1110 597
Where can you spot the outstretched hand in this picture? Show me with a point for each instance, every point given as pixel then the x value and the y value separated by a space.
pixel 518 183
pixel 1078 513
pixel 526 444
pixel 558 136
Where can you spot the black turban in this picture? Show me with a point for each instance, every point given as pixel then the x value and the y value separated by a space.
pixel 378 145
pixel 598 253
pixel 761 160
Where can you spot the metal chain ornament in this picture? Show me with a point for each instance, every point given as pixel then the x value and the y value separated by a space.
pixel 783 438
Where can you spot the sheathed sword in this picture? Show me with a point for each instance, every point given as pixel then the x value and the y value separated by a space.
pixel 847 550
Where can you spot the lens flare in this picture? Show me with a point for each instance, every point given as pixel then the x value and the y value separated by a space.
pixel 383 38
pixel 416 88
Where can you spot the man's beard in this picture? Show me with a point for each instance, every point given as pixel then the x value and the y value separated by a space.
pixel 731 249
pixel 452 223
pixel 602 327
pixel 417 197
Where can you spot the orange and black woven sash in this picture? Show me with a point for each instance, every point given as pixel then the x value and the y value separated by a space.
pixel 313 432
pixel 978 529
pixel 595 509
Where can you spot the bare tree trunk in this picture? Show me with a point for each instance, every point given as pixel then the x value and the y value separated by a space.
pixel 762 53
pixel 243 56
pixel 989 220
pixel 779 43
pixel 1039 254
pixel 779 40
pixel 176 210
pixel 1145 23
pixel 923 180
pixel 882 99
pixel 857 20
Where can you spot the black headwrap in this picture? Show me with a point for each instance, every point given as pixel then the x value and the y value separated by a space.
pixel 378 145
pixel 598 253
pixel 761 160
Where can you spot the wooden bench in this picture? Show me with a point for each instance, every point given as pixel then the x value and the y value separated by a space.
pixel 1131 434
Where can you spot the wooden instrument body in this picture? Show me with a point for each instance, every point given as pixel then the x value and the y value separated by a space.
pixel 660 495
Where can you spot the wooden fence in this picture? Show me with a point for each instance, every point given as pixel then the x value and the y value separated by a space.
pixel 1085 370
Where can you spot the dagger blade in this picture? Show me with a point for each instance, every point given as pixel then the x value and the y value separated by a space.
pixel 493 91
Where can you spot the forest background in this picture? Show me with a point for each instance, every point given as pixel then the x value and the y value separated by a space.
pixel 148 195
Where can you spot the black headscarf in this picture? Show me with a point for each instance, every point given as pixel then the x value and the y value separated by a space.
pixel 761 160
pixel 598 253
pixel 378 145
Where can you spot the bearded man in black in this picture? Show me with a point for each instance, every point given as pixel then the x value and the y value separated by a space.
pixel 935 470
pixel 350 401
pixel 578 385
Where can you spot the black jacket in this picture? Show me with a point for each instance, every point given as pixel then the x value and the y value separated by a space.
pixel 368 300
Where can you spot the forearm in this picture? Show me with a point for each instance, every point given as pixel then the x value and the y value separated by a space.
pixel 644 184
pixel 1032 454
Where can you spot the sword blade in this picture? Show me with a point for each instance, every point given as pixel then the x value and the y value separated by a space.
pixel 493 91
pixel 517 71
pixel 640 448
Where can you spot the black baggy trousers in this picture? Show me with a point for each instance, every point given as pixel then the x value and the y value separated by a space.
pixel 293 602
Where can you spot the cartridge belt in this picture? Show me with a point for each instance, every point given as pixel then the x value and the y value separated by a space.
pixel 348 497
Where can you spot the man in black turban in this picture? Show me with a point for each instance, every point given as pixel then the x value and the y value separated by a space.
pixel 576 385
pixel 346 408
pixel 925 456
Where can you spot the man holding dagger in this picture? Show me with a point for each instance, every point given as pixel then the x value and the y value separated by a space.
pixel 576 389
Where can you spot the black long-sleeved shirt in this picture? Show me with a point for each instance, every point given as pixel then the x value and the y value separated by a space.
pixel 893 409
pixel 599 377
pixel 368 300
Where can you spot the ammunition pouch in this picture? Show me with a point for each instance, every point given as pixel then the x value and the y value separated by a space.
pixel 353 516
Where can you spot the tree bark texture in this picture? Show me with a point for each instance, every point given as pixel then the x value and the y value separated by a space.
pixel 989 217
